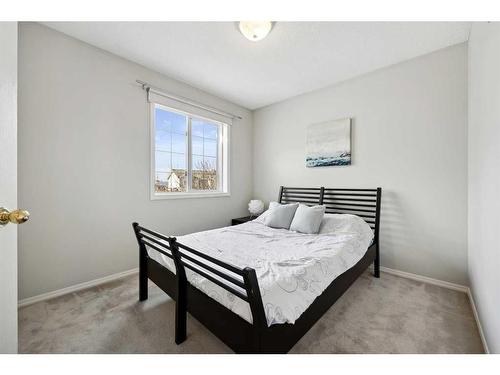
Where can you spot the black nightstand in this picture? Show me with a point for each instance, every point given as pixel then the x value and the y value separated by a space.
pixel 242 220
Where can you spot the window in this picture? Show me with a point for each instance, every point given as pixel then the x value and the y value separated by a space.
pixel 189 154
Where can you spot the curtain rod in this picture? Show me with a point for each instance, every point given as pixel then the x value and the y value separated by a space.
pixel 180 99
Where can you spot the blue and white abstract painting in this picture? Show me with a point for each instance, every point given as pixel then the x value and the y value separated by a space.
pixel 329 143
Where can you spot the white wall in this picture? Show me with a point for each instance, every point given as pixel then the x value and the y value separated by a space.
pixel 8 186
pixel 84 162
pixel 484 177
pixel 409 137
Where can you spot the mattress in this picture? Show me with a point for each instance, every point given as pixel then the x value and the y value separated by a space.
pixel 292 268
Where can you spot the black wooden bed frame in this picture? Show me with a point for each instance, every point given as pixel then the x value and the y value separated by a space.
pixel 240 335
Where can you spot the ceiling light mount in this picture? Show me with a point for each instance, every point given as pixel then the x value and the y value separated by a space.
pixel 255 30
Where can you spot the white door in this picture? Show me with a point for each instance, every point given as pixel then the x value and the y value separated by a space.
pixel 8 186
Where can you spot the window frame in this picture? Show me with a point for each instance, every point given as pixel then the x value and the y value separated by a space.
pixel 223 152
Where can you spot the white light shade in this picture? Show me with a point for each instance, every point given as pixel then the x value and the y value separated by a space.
pixel 255 30
pixel 255 207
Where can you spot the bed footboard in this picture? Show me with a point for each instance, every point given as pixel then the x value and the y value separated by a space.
pixel 240 282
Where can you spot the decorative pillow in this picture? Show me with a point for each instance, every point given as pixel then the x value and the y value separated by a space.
pixel 307 219
pixel 337 223
pixel 331 223
pixel 280 215
pixel 347 224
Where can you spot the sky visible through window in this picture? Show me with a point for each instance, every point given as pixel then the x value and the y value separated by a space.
pixel 171 147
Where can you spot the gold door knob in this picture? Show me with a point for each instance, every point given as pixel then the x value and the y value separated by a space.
pixel 14 217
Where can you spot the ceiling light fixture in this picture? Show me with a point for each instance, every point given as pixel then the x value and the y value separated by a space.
pixel 255 30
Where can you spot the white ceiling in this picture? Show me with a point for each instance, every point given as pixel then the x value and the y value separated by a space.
pixel 295 58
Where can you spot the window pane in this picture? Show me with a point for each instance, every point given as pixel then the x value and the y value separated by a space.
pixel 163 140
pixel 196 127
pixel 178 161
pixel 210 181
pixel 197 172
pixel 162 161
pixel 210 148
pixel 170 151
pixel 210 174
pixel 204 173
pixel 204 154
pixel 197 163
pixel 177 180
pixel 162 177
pixel 210 131
pixel 170 121
pixel 161 182
pixel 162 122
pixel 197 145
pixel 174 181
pixel 179 123
pixel 210 164
pixel 179 143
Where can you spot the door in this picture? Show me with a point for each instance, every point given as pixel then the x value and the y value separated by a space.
pixel 8 186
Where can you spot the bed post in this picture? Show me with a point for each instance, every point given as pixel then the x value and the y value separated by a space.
pixel 181 291
pixel 256 306
pixel 281 194
pixel 143 265
pixel 376 263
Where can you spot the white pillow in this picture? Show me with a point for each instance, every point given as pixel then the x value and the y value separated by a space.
pixel 330 223
pixel 307 219
pixel 340 223
pixel 280 215
pixel 345 224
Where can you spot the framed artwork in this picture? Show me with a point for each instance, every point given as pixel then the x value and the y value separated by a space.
pixel 329 143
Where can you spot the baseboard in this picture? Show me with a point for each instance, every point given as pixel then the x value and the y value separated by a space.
pixel 76 288
pixel 425 279
pixel 478 322
pixel 407 275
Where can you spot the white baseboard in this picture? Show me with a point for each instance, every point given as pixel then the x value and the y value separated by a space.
pixel 425 279
pixel 478 322
pixel 75 288
pixel 407 275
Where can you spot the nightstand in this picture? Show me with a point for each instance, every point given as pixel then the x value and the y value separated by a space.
pixel 242 220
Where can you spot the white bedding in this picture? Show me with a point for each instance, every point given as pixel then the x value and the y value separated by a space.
pixel 292 268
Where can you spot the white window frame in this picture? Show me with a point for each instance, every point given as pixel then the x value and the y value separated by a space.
pixel 223 148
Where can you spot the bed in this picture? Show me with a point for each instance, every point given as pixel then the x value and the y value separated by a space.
pixel 261 289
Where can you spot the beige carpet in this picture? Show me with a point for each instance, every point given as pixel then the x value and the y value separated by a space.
pixel 386 315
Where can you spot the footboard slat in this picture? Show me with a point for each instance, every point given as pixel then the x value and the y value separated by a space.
pixel 215 281
pixel 218 273
pixel 158 249
pixel 227 266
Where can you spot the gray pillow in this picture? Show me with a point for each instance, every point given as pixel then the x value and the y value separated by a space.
pixel 280 215
pixel 307 219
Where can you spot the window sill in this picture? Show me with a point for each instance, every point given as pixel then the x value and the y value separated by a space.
pixel 155 196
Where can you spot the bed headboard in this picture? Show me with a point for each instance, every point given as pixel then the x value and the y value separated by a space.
pixel 362 202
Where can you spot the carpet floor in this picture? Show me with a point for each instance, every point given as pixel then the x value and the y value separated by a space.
pixel 386 315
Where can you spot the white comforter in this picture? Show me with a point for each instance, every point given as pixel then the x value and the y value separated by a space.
pixel 292 268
